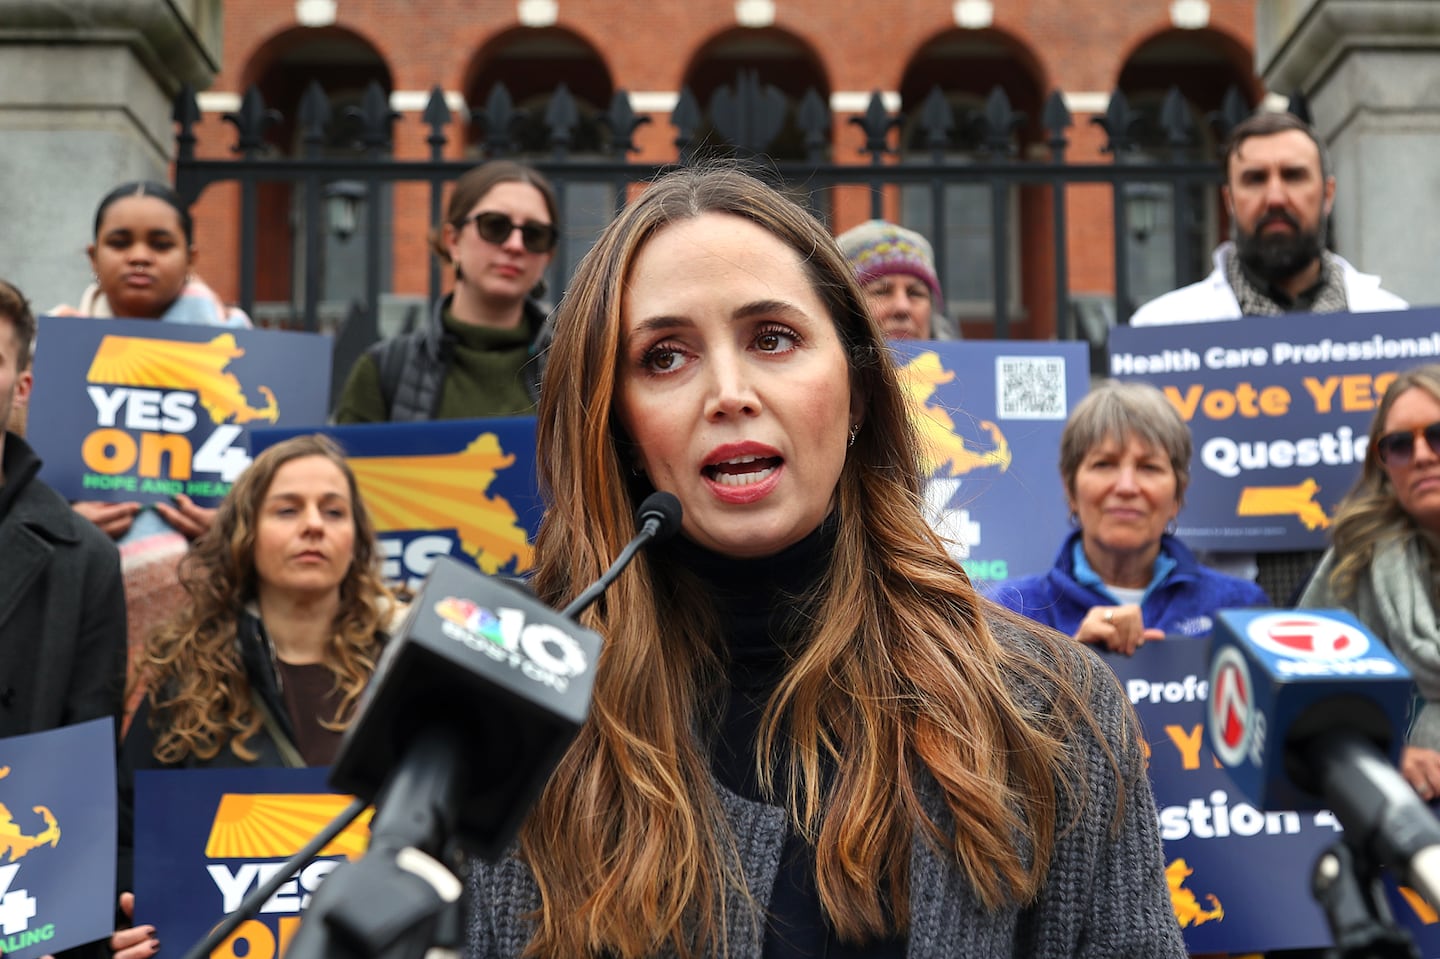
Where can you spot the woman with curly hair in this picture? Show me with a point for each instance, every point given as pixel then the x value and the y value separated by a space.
pixel 809 735
pixel 1384 558
pixel 285 618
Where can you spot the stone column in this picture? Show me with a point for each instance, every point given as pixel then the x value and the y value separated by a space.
pixel 1371 72
pixel 85 103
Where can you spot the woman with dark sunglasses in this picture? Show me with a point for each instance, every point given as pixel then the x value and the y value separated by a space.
pixel 479 353
pixel 1384 560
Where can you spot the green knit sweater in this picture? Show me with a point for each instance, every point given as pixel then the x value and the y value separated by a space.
pixel 484 377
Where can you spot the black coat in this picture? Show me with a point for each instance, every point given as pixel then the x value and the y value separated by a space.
pixel 62 607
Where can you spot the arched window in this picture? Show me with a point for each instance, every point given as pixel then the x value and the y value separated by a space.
pixel 531 74
pixel 749 85
pixel 962 72
pixel 1178 80
pixel 342 67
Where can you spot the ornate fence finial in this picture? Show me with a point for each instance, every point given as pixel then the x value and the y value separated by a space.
pixel 937 120
pixel 375 117
pixel 1177 121
pixel 437 117
pixel 496 119
pixel 314 117
pixel 876 123
pixel 685 118
pixel 251 121
pixel 562 117
pixel 749 115
pixel 622 122
pixel 814 119
pixel 999 123
pixel 1233 110
pixel 1119 123
pixel 1056 119
pixel 186 112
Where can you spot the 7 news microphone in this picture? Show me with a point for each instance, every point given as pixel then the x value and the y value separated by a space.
pixel 471 707
pixel 1307 711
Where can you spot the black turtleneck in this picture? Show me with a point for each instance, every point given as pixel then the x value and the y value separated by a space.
pixel 763 623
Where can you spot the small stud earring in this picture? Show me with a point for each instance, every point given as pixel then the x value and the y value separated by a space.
pixel 854 432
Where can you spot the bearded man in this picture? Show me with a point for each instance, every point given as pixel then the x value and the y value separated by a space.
pixel 1279 192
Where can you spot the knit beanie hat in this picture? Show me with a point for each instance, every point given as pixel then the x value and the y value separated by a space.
pixel 877 248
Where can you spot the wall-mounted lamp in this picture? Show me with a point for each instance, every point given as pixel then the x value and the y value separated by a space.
pixel 342 206
pixel 1142 208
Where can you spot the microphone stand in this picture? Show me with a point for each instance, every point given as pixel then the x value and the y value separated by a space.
pixel 1346 883
pixel 1385 824
pixel 398 900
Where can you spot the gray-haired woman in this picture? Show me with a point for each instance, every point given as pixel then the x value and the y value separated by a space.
pixel 1120 578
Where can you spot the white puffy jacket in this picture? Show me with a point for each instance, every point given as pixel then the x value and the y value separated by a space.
pixel 1212 298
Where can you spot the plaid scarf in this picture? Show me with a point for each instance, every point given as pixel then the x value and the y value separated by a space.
pixel 1326 296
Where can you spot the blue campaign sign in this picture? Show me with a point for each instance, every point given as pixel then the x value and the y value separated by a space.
pixel 1279 407
pixel 1239 877
pixel 990 417
pixel 461 488
pixel 57 839
pixel 135 410
pixel 204 838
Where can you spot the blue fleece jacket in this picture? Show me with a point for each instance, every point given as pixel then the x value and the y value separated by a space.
pixel 1181 600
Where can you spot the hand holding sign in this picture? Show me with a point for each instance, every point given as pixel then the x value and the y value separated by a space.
pixel 136 942
pixel 1119 629
pixel 187 516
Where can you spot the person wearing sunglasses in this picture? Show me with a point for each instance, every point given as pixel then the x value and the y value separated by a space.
pixel 1384 559
pixel 479 355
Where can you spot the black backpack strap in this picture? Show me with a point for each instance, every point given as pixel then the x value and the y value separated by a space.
pixel 391 357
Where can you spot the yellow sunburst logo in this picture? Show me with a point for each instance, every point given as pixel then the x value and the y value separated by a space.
pixel 175 365
pixel 275 825
pixel 439 492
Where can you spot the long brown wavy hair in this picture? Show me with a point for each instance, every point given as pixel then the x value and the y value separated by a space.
pixel 1370 513
pixel 198 694
pixel 900 677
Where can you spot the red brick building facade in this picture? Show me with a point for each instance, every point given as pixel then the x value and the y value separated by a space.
pixel 844 50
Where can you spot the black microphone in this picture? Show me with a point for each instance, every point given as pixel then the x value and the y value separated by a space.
pixel 659 519
pixel 470 709
pixel 489 661
pixel 1304 712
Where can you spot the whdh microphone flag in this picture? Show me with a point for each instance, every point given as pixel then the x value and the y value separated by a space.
pixel 1278 678
pixel 1307 710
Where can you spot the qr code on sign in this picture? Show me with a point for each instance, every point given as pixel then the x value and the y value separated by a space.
pixel 1030 388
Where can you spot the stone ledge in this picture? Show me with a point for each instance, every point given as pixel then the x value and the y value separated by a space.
pixel 178 41
pixel 1297 47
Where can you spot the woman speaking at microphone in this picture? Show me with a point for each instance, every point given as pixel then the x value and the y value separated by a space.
pixel 1384 559
pixel 809 735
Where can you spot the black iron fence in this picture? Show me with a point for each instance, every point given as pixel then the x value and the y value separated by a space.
pixel 1161 165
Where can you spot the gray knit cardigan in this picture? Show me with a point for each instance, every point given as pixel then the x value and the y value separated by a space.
pixel 1105 895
